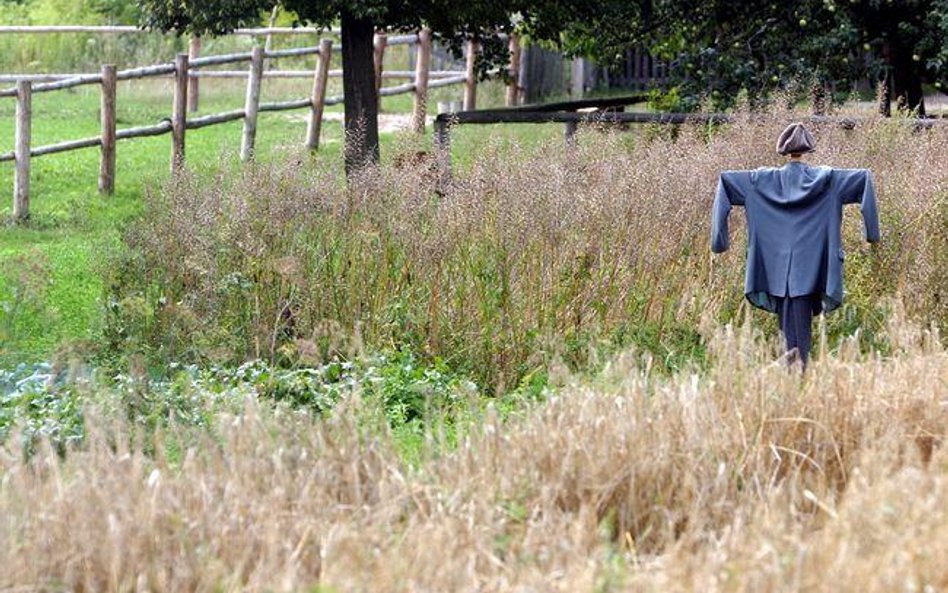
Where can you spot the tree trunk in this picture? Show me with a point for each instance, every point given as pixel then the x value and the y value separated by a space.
pixel 906 81
pixel 361 96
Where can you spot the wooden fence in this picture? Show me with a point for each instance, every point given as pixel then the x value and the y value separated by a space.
pixel 603 112
pixel 186 72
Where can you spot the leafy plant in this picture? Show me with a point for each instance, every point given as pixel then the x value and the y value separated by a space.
pixel 24 282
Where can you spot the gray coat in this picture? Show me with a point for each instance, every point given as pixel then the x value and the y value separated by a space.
pixel 794 215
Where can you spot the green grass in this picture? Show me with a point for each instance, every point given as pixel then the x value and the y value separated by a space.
pixel 71 226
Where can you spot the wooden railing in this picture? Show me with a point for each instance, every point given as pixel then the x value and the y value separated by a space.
pixel 608 111
pixel 186 70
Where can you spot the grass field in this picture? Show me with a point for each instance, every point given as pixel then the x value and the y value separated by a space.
pixel 744 478
pixel 71 225
pixel 535 379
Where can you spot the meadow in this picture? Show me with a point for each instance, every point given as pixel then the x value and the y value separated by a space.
pixel 534 377
pixel 51 262
pixel 744 477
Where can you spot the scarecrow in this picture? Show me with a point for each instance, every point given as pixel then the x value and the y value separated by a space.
pixel 794 247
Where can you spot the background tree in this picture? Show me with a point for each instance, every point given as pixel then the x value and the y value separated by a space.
pixel 450 21
pixel 723 47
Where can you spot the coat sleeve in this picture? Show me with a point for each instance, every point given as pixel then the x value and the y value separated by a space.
pixel 732 191
pixel 855 187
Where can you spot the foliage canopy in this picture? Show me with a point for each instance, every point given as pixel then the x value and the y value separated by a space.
pixel 722 47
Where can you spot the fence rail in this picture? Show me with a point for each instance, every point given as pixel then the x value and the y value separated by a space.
pixel 13 78
pixel 186 70
pixel 121 29
pixel 604 112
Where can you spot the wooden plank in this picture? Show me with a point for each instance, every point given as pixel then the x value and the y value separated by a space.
pixel 500 116
pixel 640 67
pixel 194 84
pixel 476 117
pixel 389 74
pixel 157 130
pixel 285 105
pixel 318 96
pixel 67 83
pixel 408 73
pixel 512 116
pixel 447 82
pixel 221 59
pixel 179 113
pixel 24 125
pixel 523 76
pixel 577 72
pixel 470 77
pixel 146 72
pixel 601 103
pixel 403 39
pixel 513 92
pixel 399 89
pixel 14 78
pixel 379 61
pixel 291 52
pixel 67 146
pixel 11 29
pixel 107 116
pixel 422 65
pixel 252 105
pixel 214 119
pixel 75 80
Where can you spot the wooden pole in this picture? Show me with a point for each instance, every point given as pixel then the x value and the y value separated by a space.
pixel 470 85
pixel 194 85
pixel 318 102
pixel 569 133
pixel 107 162
pixel 179 113
pixel 268 44
pixel 21 178
pixel 252 105
pixel 422 65
pixel 577 78
pixel 381 42
pixel 442 145
pixel 513 94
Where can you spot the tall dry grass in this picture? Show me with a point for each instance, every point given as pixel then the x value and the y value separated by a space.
pixel 527 255
pixel 752 477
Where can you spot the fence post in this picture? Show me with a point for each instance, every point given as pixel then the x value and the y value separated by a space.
pixel 107 161
pixel 577 82
pixel 513 94
pixel 569 134
pixel 252 104
pixel 268 44
pixel 318 100
pixel 194 83
pixel 179 114
pixel 21 178
pixel 442 146
pixel 470 85
pixel 381 42
pixel 422 65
